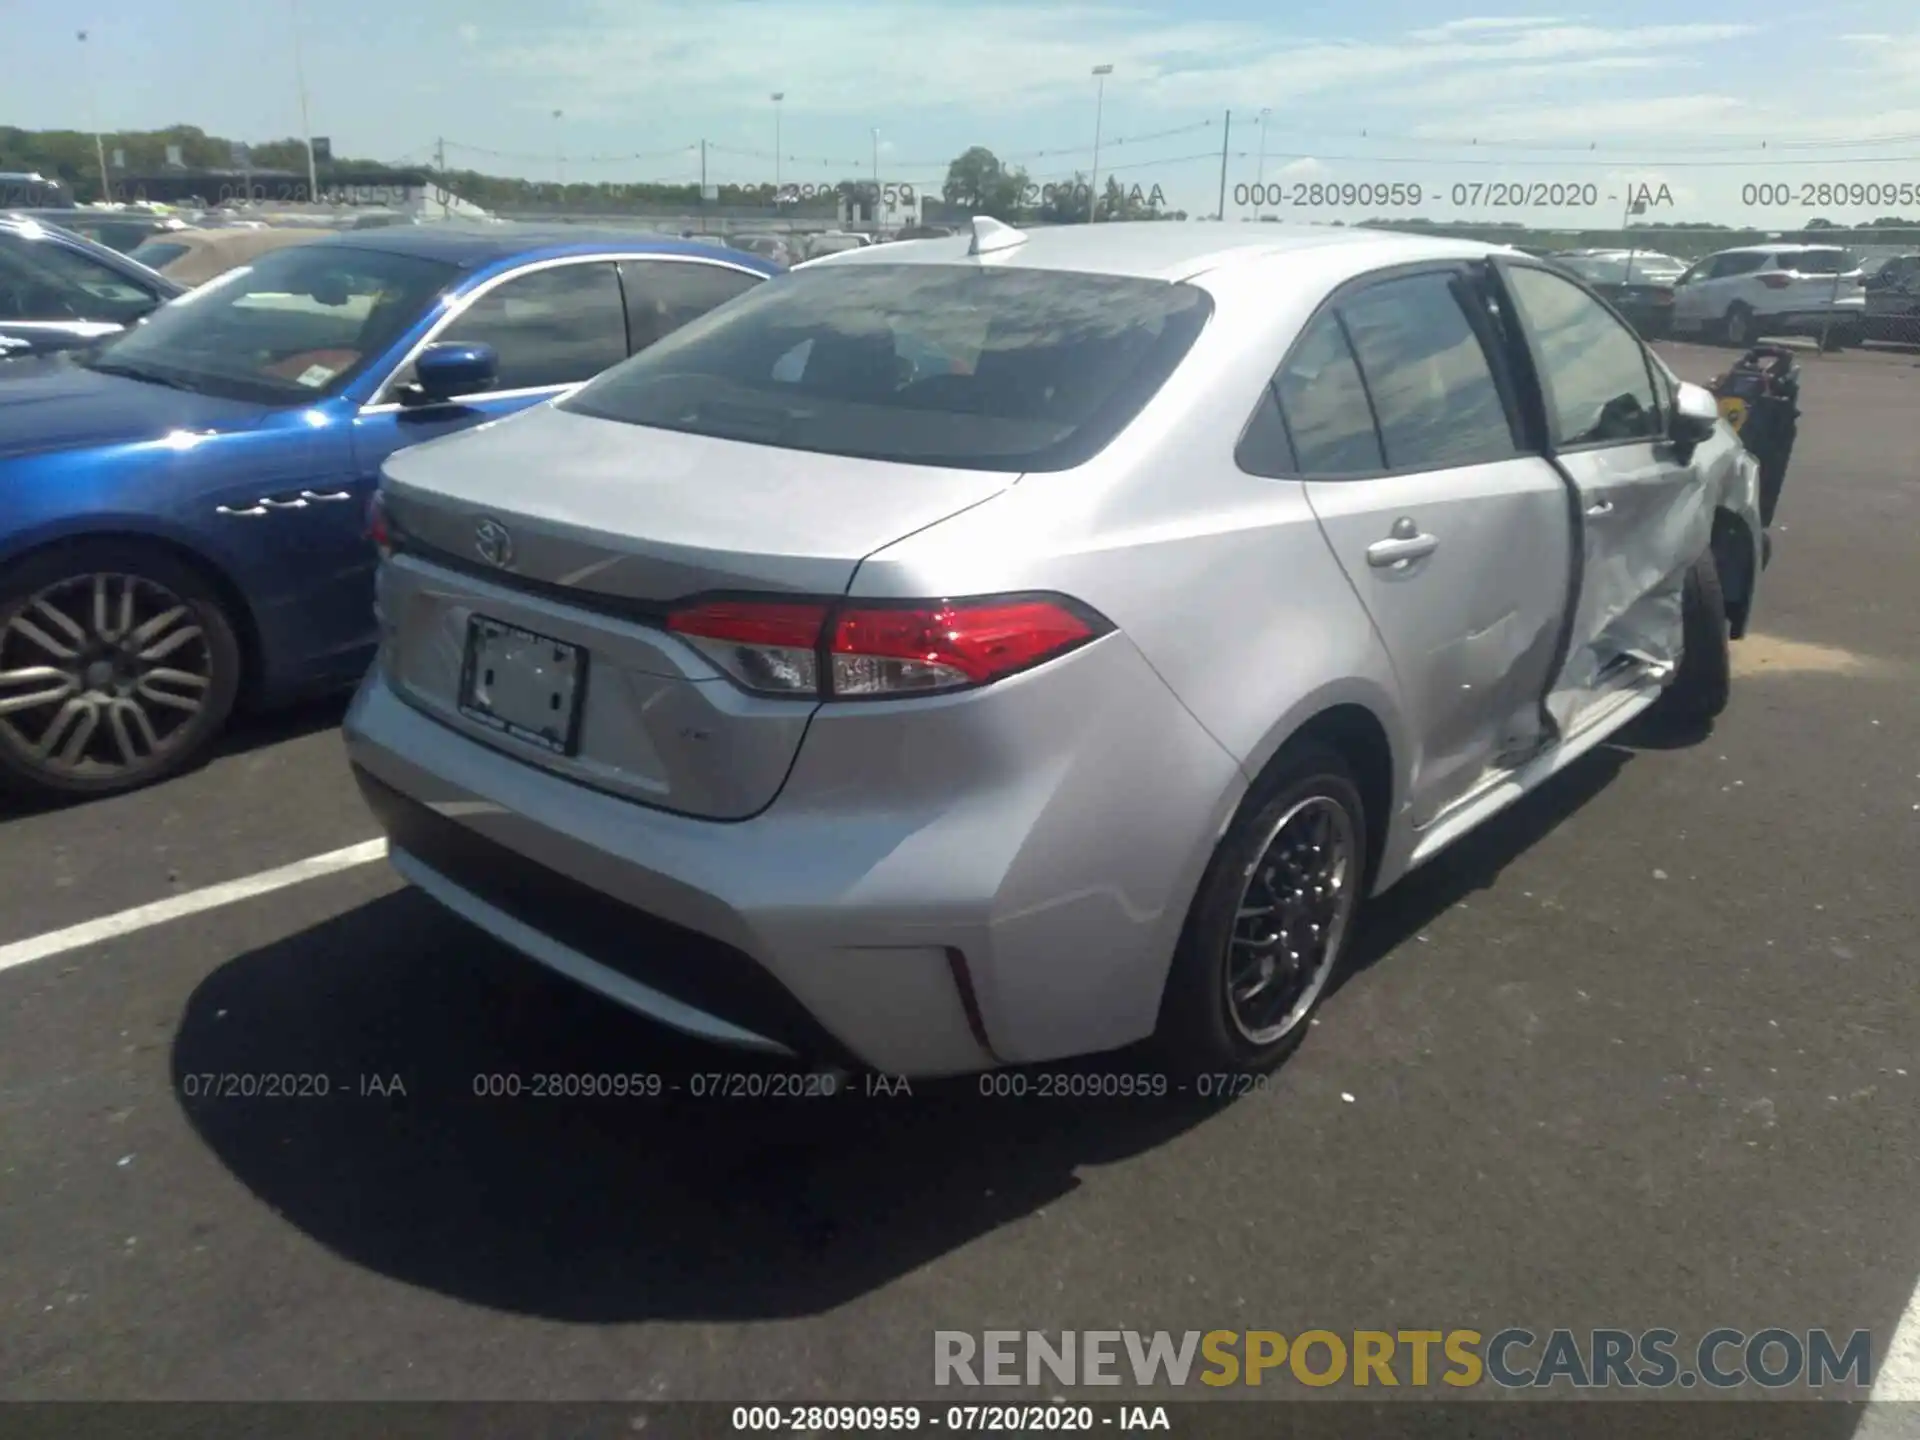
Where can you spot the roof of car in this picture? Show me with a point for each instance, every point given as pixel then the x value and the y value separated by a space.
pixel 1783 248
pixel 472 246
pixel 1158 249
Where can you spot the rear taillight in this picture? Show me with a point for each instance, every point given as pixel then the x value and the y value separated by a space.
pixel 1663 297
pixel 1774 280
pixel 378 530
pixel 868 650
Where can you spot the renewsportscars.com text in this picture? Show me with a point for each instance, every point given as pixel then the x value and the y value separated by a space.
pixel 1512 1359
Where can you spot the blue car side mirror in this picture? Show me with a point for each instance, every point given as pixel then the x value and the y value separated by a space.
pixel 449 369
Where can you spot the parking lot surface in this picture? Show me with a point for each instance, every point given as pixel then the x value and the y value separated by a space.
pixel 1642 1052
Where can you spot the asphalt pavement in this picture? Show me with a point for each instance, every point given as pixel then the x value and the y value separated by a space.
pixel 1643 1052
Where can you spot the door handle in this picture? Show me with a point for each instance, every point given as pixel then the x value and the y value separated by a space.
pixel 1599 508
pixel 272 504
pixel 329 495
pixel 1399 550
pixel 249 510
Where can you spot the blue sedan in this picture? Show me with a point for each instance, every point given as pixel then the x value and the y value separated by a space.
pixel 183 507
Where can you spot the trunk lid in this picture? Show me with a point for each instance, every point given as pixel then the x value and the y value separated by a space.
pixel 585 532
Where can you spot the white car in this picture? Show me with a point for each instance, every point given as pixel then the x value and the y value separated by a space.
pixel 1744 295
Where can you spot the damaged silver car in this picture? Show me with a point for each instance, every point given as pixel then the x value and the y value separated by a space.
pixel 1003 647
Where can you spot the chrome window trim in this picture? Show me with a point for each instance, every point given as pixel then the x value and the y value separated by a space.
pixel 382 401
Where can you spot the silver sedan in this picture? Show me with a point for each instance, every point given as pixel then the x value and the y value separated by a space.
pixel 1004 647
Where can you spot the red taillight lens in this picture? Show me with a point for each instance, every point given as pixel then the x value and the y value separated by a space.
pixel 876 651
pixel 1774 280
pixel 1663 297
pixel 904 651
pixel 768 647
pixel 378 531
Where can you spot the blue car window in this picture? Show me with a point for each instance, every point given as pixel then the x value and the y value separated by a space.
pixel 556 326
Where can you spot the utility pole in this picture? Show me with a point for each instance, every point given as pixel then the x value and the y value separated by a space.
pixel 703 186
pixel 1226 134
pixel 1100 73
pixel 306 126
pixel 778 96
pixel 440 168
pixel 93 105
pixel 876 179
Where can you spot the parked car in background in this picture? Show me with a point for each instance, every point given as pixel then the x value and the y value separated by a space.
pixel 120 229
pixel 1756 291
pixel 1893 300
pixel 59 290
pixel 1637 283
pixel 834 242
pixel 767 247
pixel 1073 687
pixel 183 508
pixel 193 257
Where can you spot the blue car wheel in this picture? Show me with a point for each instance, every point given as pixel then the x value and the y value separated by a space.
pixel 118 667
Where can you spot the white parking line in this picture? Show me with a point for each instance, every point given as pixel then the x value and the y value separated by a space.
pixel 109 927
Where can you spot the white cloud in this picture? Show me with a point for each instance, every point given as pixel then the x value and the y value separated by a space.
pixel 469 33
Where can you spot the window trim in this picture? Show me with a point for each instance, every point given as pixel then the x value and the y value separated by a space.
pixel 1454 268
pixel 1550 446
pixel 381 404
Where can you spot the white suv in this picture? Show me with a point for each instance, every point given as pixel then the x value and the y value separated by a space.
pixel 1743 295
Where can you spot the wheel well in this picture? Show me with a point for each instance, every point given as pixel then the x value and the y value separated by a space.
pixel 1732 546
pixel 1356 735
pixel 245 629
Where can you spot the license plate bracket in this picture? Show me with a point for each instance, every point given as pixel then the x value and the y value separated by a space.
pixel 529 686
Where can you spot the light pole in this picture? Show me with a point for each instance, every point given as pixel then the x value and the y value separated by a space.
pixel 1260 177
pixel 93 115
pixel 876 181
pixel 559 155
pixel 300 82
pixel 778 96
pixel 1100 73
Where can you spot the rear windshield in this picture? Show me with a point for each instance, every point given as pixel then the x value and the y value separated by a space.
pixel 1818 262
pixel 975 367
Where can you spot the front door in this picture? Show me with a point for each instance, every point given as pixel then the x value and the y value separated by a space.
pixel 1453 536
pixel 1645 515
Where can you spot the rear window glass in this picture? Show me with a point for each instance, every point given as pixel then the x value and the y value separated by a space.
pixel 1818 262
pixel 976 367
pixel 158 254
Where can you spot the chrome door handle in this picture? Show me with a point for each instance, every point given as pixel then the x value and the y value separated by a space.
pixel 330 495
pixel 1397 551
pixel 250 510
pixel 273 504
pixel 1600 507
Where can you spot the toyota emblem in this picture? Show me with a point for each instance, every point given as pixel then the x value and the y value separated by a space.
pixel 493 544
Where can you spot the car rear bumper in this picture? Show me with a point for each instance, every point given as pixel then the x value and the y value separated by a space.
pixel 970 911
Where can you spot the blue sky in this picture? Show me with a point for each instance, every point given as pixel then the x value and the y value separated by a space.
pixel 1412 91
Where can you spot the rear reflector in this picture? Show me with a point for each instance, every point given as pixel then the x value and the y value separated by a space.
pixel 873 651
pixel 378 530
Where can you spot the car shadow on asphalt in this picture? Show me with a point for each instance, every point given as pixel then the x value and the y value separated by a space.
pixel 667 1205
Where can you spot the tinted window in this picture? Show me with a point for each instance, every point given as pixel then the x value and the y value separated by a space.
pixel 1737 264
pixel 1264 448
pixel 1432 389
pixel 291 327
pixel 972 366
pixel 1818 262
pixel 1325 403
pixel 1593 370
pixel 42 280
pixel 557 326
pixel 663 295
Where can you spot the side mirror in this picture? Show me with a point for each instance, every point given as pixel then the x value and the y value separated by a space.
pixel 1695 414
pixel 449 369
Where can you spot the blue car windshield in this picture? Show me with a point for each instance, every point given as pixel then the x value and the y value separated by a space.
pixel 291 327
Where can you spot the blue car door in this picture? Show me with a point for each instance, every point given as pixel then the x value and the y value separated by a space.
pixel 554 324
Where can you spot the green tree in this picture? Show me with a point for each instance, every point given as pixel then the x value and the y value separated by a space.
pixel 1064 203
pixel 978 183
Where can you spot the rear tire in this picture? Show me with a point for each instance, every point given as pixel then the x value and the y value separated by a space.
pixel 1703 687
pixel 118 667
pixel 1270 925
pixel 1736 327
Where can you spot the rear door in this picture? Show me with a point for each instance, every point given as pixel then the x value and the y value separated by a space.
pixel 1644 515
pixel 1454 536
